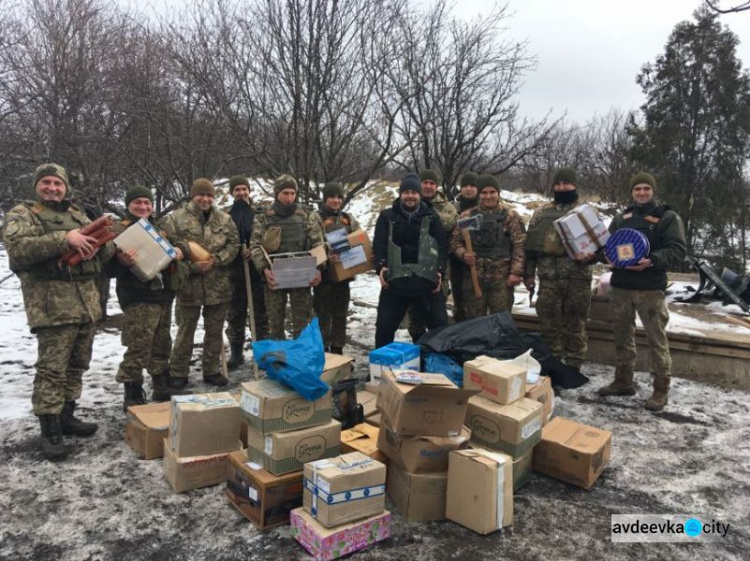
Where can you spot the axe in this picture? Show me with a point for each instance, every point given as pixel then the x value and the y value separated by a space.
pixel 467 224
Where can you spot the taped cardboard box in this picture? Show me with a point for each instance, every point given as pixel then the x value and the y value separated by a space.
pixel 355 257
pixel 184 474
pixel 337 367
pixel 362 438
pixel 344 489
pixel 146 429
pixel 420 454
pixel 573 452
pixel 582 230
pixel 499 380
pixel 419 404
pixel 284 452
pixel 513 429
pixel 237 395
pixel 480 490
pixel 261 497
pixel 393 356
pixel 269 406
pixel 419 497
pixel 204 424
pixel 543 393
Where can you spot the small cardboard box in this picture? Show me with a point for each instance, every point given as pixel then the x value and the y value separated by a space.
pixel 184 474
pixel 325 544
pixel 153 252
pixel 261 497
pixel 356 257
pixel 499 380
pixel 414 403
pixel 337 367
pixel 146 429
pixel 582 230
pixel 513 429
pixel 369 403
pixel 393 356
pixel 419 497
pixel 344 489
pixel 522 470
pixel 269 406
pixel 543 393
pixel 284 452
pixel 420 454
pixel 573 452
pixel 480 490
pixel 362 438
pixel 204 424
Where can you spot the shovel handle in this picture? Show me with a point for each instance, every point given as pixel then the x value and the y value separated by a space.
pixel 472 268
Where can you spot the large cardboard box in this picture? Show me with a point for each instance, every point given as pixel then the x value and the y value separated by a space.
pixel 261 497
pixel 270 406
pixel 543 393
pixel 147 427
pixel 393 356
pixel 420 454
pixel 337 367
pixel 513 429
pixel 369 403
pixel 522 470
pixel 419 497
pixel 582 230
pixel 184 474
pixel 356 256
pixel 325 544
pixel 362 438
pixel 480 490
pixel 499 380
pixel 204 424
pixel 573 452
pixel 344 489
pixel 414 403
pixel 284 452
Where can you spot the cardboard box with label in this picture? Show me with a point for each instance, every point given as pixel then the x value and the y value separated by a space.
pixel 420 454
pixel 355 252
pixel 582 230
pixel 543 393
pixel 362 438
pixel 295 270
pixel 480 490
pixel 337 367
pixel 393 356
pixel 419 497
pixel 261 497
pixel 499 380
pixel 184 474
pixel 204 424
pixel 344 489
pixel 154 253
pixel 147 427
pixel 419 404
pixel 573 452
pixel 270 406
pixel 284 452
pixel 513 429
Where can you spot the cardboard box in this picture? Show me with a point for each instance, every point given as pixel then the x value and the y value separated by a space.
pixel 419 497
pixel 184 474
pixel 261 497
pixel 325 544
pixel 344 489
pixel 204 424
pixel 499 380
pixel 513 429
pixel 373 387
pixel 544 394
pixel 146 429
pixel 375 420
pixel 293 270
pixel 284 452
pixel 480 490
pixel 337 367
pixel 369 403
pixel 573 452
pixel 153 252
pixel 414 403
pixel 393 356
pixel 362 438
pixel 356 256
pixel 522 470
pixel 582 230
pixel 420 454
pixel 270 406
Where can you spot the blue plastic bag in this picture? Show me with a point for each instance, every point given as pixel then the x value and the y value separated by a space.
pixel 297 363
pixel 438 363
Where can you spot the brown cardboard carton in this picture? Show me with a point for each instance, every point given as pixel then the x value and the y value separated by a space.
pixel 375 420
pixel 344 489
pixel 426 405
pixel 522 470
pixel 269 406
pixel 284 452
pixel 573 452
pixel 360 253
pixel 513 429
pixel 194 472
pixel 499 380
pixel 362 438
pixel 263 498
pixel 369 402
pixel 204 424
pixel 373 387
pixel 543 393
pixel 146 429
pixel 337 367
pixel 419 497
pixel 420 454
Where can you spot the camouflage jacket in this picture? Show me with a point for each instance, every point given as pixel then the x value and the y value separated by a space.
pixel 217 235
pixel 33 246
pixel 445 210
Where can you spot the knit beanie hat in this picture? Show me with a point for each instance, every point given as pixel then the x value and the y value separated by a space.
pixel 411 182
pixel 54 170
pixel 469 178
pixel 565 175
pixel 282 182
pixel 138 192
pixel 643 177
pixel 332 189
pixel 237 180
pixel 202 186
pixel 429 175
pixel 487 180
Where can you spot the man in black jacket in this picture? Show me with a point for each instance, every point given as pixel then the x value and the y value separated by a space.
pixel 411 249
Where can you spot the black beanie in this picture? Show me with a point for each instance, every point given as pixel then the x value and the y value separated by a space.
pixel 487 180
pixel 331 189
pixel 138 192
pixel 643 177
pixel 411 182
pixel 238 180
pixel 429 175
pixel 469 178
pixel 565 175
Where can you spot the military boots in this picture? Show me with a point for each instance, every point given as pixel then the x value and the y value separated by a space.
pixel 163 390
pixel 53 446
pixel 134 395
pixel 660 397
pixel 236 357
pixel 623 384
pixel 71 426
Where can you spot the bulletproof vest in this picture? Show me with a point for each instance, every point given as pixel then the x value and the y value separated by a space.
pixel 331 223
pixel 293 237
pixel 491 240
pixel 542 237
pixel 428 257
pixel 646 223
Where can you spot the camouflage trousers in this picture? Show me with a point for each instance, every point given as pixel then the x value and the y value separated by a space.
pixel 563 310
pixel 148 342
pixel 237 315
pixel 651 307
pixel 64 354
pixel 300 301
pixel 496 297
pixel 187 320
pixel 331 302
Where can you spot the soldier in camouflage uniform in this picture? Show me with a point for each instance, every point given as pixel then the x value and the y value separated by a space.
pixel 641 288
pixel 208 286
pixel 498 252
pixel 62 303
pixel 467 199
pixel 285 227
pixel 564 284
pixel 331 298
